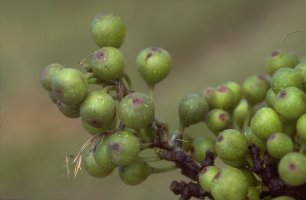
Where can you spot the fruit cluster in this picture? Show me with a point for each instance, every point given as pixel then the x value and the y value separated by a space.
pixel 259 127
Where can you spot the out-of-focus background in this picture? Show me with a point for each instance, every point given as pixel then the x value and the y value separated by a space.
pixel 210 42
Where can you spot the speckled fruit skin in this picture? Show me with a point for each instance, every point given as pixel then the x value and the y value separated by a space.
pixel 286 77
pixel 241 112
pixel 98 109
pixel 265 122
pixel 108 30
pixel 292 169
pixel 97 130
pixel 231 145
pixel 206 176
pixel 270 97
pixel 255 88
pixel 222 97
pixel 279 59
pixel 301 127
pixel 48 73
pixel 229 184
pixel 123 147
pixel 69 86
pixel 136 110
pixel 135 172
pixel 107 63
pixel 70 111
pixel 102 157
pixel 279 144
pixel 154 64
pixel 93 168
pixel 290 103
pixel 192 109
pixel 217 120
pixel 236 89
pixel 200 146
pixel 283 198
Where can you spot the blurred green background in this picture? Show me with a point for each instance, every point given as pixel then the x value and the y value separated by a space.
pixel 210 42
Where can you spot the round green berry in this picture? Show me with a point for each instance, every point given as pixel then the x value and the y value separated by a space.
pixel 207 93
pixel 290 103
pixel 229 184
pixel 255 88
pixel 93 129
pixel 53 98
pixel 292 169
pixel 123 147
pixel 279 144
pixel 241 113
pixel 223 97
pixel 301 127
pixel 154 64
pixel 98 109
pixel 48 73
pixel 251 179
pixel 200 146
pixel 253 139
pixel 283 198
pixel 231 145
pixel 270 97
pixel 69 86
pixel 286 77
pixel 254 193
pixel 206 176
pixel 265 122
pixel 108 30
pixel 279 59
pixel 136 110
pixel 147 134
pixel 70 111
pixel 135 172
pixel 107 63
pixel 236 89
pixel 93 168
pixel 192 109
pixel 102 157
pixel 218 120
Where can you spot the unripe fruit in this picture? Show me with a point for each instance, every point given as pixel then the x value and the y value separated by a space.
pixel 292 169
pixel 286 77
pixel 290 103
pixel 90 127
pixel 108 30
pixel 283 198
pixel 135 172
pixel 253 139
pixel 241 113
pixel 255 88
pixel 48 73
pixel 229 184
pixel 147 134
pixel 265 122
pixel 206 176
pixel 279 144
pixel 231 145
pixel 70 111
pixel 207 93
pixel 218 120
pixel 93 168
pixel 254 193
pixel 251 179
pixel 123 147
pixel 98 109
pixel 235 163
pixel 223 97
pixel 270 97
pixel 187 142
pixel 107 63
pixel 69 86
pixel 280 59
pixel 154 64
pixel 102 157
pixel 192 109
pixel 200 146
pixel 53 97
pixel 236 89
pixel 301 127
pixel 136 110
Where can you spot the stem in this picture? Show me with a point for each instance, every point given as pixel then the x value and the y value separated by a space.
pixel 151 91
pixel 89 75
pixel 109 88
pixel 128 81
pixel 163 170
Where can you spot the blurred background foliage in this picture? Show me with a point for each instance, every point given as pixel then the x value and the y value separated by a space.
pixel 210 42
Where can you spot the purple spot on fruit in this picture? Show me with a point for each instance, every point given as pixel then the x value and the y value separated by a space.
pixel 58 93
pixel 208 91
pixel 261 77
pixel 95 123
pixel 217 175
pixel 274 53
pixel 148 56
pixel 203 171
pixel 219 138
pixel 292 167
pixel 99 55
pixel 137 101
pixel 222 89
pixel 155 49
pixel 271 137
pixel 222 117
pixel 282 94
pixel 115 147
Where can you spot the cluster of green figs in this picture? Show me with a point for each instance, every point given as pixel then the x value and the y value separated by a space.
pixel 266 110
